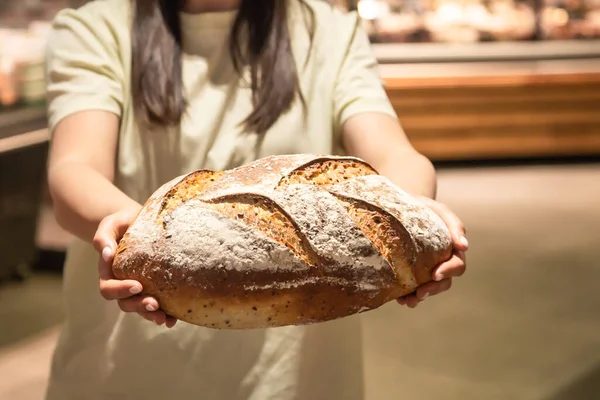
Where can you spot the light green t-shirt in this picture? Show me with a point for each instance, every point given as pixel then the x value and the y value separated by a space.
pixel 106 354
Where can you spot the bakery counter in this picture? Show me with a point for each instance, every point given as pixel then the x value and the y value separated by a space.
pixel 535 51
pixel 18 121
pixel 23 155
pixel 484 110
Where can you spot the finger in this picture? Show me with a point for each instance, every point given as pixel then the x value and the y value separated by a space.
pixel 158 317
pixel 433 288
pixel 170 321
pixel 147 307
pixel 113 289
pixel 457 231
pixel 454 267
pixel 455 225
pixel 111 230
pixel 139 304
pixel 105 261
pixel 412 301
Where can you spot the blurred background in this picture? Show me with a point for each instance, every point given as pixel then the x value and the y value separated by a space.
pixel 504 97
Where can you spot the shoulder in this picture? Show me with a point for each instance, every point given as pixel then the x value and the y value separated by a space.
pixel 334 32
pixel 327 12
pixel 108 12
pixel 101 21
pixel 330 21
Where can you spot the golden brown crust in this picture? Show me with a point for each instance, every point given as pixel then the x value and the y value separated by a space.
pixel 389 237
pixel 264 215
pixel 327 172
pixel 188 188
pixel 282 241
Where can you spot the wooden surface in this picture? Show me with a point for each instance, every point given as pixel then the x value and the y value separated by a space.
pixel 528 114
pixel 19 120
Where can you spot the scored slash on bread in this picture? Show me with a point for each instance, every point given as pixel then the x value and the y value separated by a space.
pixel 285 240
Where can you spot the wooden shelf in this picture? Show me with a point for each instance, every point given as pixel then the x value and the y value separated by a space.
pixel 537 50
pixel 487 116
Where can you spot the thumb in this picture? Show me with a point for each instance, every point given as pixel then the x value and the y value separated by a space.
pixel 109 232
pixel 454 224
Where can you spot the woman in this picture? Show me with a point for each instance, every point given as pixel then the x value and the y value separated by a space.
pixel 143 91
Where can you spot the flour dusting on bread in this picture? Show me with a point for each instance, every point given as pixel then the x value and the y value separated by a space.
pixel 197 237
pixel 426 228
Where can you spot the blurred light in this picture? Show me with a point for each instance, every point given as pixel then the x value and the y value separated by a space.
pixel 370 9
pixel 560 16
pixel 450 13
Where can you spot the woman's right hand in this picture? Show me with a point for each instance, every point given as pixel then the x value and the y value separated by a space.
pixel 125 292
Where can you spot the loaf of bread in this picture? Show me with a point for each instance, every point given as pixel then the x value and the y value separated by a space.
pixel 285 240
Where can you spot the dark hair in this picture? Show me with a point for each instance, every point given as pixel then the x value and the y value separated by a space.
pixel 259 40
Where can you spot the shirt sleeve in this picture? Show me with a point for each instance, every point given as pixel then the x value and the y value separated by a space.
pixel 359 87
pixel 83 70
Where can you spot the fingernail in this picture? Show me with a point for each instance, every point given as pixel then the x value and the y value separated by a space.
pixel 106 253
pixel 150 307
pixel 438 277
pixel 135 289
pixel 464 242
pixel 426 295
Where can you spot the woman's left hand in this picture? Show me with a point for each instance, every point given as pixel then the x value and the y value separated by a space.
pixel 452 268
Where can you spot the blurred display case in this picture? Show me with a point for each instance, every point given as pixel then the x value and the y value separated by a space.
pixel 469 21
pixel 24 26
pixel 438 31
pixel 490 79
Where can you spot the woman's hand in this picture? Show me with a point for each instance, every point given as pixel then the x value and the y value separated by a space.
pixel 452 268
pixel 126 292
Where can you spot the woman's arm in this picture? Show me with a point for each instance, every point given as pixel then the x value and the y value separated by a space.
pixel 81 170
pixel 379 139
pixel 85 92
pixel 87 204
